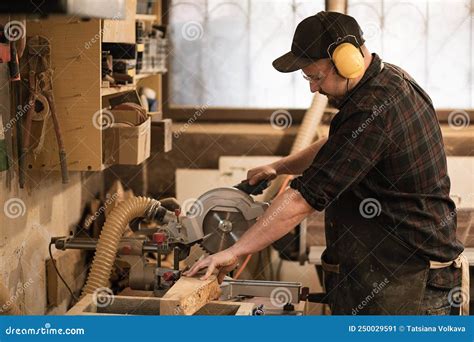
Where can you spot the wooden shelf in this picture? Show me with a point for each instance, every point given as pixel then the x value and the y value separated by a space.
pixel 142 76
pixel 146 75
pixel 116 90
pixel 146 17
pixel 78 94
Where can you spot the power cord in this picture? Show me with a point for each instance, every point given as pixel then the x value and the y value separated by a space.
pixel 59 274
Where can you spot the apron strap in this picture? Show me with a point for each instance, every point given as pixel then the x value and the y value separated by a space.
pixel 462 263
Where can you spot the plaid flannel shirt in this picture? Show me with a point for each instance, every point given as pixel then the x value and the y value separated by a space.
pixel 385 144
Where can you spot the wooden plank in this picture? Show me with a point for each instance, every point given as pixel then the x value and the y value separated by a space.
pixel 121 31
pixel 161 135
pixel 219 308
pixel 188 295
pixel 125 305
pixel 71 264
pixel 146 17
pixel 444 114
pixel 116 90
pixel 76 63
pixel 157 10
pixel 146 304
pixel 457 142
pixel 142 76
pixel 225 114
pixel 83 307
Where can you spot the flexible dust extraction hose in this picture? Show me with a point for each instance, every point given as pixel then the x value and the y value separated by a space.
pixel 304 138
pixel 7 305
pixel 109 238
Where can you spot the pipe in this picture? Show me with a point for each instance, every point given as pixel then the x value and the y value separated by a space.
pixel 7 304
pixel 242 268
pixel 311 120
pixel 109 239
pixel 304 138
pixel 91 245
pixel 336 6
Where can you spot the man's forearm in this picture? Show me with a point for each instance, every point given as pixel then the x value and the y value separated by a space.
pixel 285 212
pixel 296 163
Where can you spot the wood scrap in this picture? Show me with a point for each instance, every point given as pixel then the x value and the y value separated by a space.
pixel 188 295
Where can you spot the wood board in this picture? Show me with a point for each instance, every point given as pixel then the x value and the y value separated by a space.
pixel 149 305
pixel 188 295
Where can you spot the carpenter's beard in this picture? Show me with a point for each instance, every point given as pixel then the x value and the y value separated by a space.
pixel 336 101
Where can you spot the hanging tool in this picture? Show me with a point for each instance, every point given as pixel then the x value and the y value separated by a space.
pixel 41 100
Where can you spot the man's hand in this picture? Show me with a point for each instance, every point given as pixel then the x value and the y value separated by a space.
pixel 265 172
pixel 224 261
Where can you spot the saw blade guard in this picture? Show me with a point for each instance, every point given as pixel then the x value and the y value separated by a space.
pixel 221 216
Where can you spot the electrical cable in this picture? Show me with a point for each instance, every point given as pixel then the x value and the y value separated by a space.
pixel 59 274
pixel 239 271
pixel 247 259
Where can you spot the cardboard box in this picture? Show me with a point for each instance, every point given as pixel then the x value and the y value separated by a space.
pixel 127 145
pixel 162 138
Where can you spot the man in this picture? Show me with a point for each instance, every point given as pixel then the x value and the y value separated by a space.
pixel 380 177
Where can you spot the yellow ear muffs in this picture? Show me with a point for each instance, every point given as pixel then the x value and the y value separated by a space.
pixel 348 60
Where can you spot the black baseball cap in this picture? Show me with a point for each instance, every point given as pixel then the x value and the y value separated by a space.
pixel 314 35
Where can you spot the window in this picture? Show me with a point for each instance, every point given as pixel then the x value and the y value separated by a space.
pixel 431 40
pixel 221 51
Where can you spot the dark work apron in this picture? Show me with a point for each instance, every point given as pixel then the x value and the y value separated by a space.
pixel 367 270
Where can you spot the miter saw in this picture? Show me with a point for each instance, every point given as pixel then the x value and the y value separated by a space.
pixel 216 220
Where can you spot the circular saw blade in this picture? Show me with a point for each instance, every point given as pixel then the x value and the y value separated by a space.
pixel 222 229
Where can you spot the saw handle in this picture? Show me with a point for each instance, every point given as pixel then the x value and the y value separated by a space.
pixel 256 189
